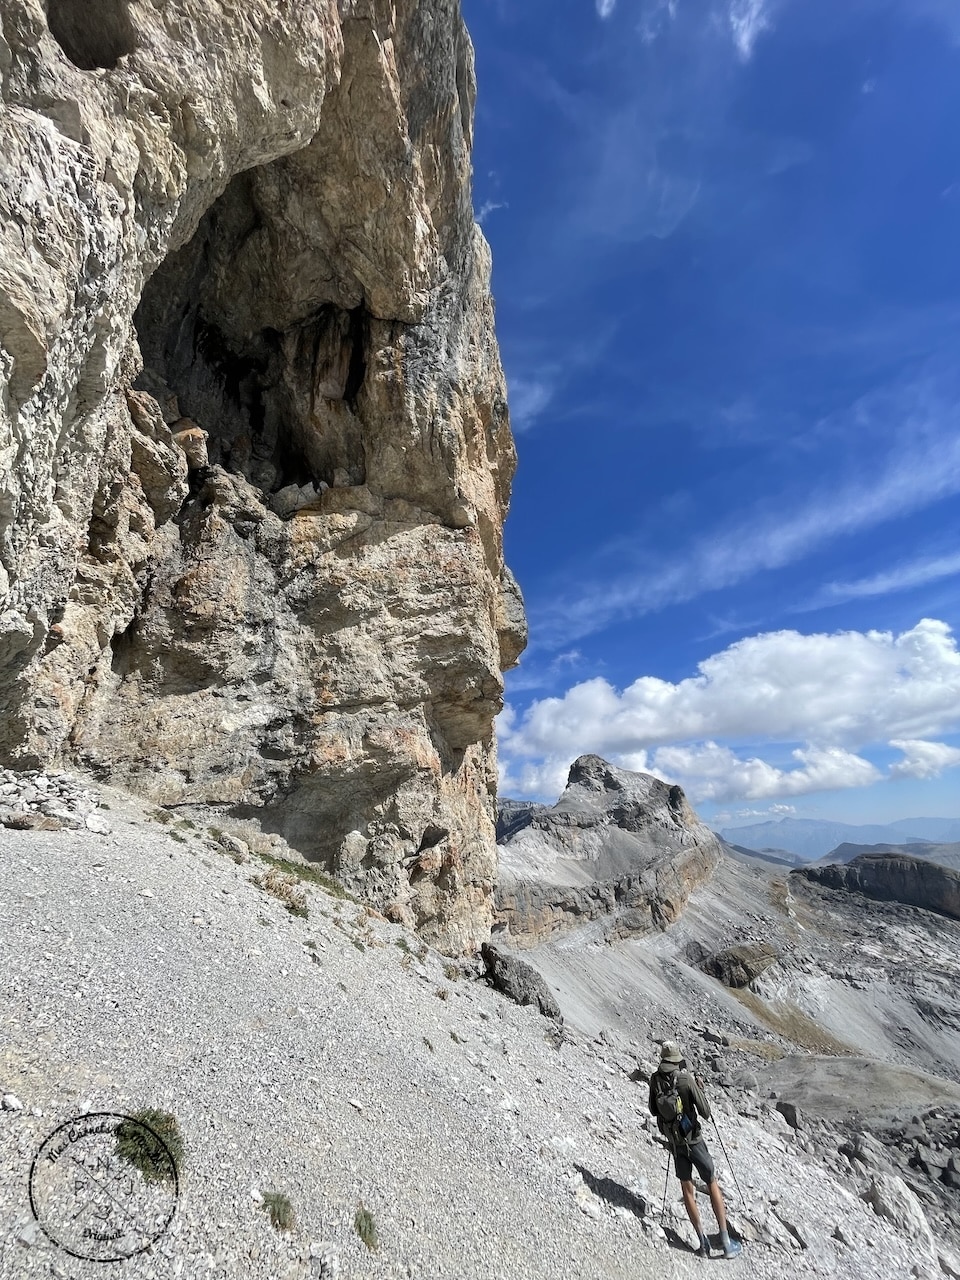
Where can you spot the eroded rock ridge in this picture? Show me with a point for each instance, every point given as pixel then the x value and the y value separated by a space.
pixel 894 877
pixel 620 848
pixel 254 446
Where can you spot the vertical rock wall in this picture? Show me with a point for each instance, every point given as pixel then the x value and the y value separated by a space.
pixel 254 446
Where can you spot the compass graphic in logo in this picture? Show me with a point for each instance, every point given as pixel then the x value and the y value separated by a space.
pixel 93 1200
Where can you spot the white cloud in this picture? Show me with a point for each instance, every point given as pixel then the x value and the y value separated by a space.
pixel 923 469
pixel 923 759
pixel 655 20
pixel 847 688
pixel 748 18
pixel 528 398
pixel 903 577
pixel 606 7
pixel 838 694
pixel 545 778
pixel 488 207
pixel 711 772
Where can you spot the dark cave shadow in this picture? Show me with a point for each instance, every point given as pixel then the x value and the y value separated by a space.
pixel 614 1193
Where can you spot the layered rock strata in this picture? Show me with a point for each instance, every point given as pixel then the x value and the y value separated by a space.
pixel 620 848
pixel 254 447
pixel 894 877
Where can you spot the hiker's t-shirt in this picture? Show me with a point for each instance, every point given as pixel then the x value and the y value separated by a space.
pixel 694 1102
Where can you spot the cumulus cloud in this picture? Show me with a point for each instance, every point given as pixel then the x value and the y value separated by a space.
pixel 836 694
pixel 847 688
pixel 711 772
pixel 923 759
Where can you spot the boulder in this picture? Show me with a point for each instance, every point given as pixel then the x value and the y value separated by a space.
pixel 518 980
pixel 891 1198
pixel 738 966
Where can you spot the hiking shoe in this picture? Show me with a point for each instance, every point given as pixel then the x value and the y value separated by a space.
pixel 732 1249
pixel 704 1250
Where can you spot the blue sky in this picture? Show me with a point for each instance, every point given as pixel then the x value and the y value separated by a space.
pixel 726 239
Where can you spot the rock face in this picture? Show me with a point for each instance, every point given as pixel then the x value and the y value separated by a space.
pixel 518 980
pixel 621 848
pixel 894 878
pixel 254 445
pixel 948 855
pixel 738 966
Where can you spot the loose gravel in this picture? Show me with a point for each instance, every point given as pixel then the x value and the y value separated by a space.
pixel 336 1061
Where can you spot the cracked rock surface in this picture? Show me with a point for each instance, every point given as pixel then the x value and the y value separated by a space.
pixel 254 447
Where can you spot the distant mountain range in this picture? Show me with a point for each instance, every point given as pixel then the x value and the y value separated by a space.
pixel 810 838
pixel 947 855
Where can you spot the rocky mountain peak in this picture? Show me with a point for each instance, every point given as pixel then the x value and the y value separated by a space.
pixel 621 847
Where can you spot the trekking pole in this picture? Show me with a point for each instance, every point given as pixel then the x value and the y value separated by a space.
pixel 733 1172
pixel 666 1180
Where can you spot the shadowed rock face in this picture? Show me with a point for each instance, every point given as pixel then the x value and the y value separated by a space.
pixel 254 446
pixel 894 878
pixel 621 848
pixel 738 966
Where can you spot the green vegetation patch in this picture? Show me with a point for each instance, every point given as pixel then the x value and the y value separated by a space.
pixel 285 888
pixel 149 1139
pixel 366 1227
pixel 310 874
pixel 280 1210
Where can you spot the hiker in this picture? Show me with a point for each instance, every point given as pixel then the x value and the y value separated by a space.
pixel 678 1102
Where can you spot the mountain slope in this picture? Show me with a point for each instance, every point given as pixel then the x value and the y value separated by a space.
pixel 142 966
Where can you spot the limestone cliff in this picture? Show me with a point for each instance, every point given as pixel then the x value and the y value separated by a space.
pixel 254 447
pixel 621 848
pixel 893 877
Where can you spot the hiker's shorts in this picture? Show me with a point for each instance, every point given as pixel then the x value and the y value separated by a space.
pixel 697 1154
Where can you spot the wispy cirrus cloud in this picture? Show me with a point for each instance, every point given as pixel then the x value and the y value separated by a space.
pixel 920 469
pixel 606 7
pixel 748 19
pixel 529 397
pixel 901 577
pixel 488 207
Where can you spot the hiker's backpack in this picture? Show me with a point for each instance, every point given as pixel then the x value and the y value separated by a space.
pixel 676 1121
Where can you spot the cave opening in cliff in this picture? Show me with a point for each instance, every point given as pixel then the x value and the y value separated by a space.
pixel 275 389
pixel 92 33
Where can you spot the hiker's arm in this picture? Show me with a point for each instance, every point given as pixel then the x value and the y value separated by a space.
pixel 699 1098
pixel 651 1101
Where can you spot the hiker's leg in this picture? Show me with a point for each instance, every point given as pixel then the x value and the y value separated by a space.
pixel 690 1204
pixel 719 1208
pixel 731 1248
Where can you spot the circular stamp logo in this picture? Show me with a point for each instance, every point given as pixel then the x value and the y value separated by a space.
pixel 103 1186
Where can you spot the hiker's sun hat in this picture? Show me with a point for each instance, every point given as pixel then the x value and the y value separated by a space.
pixel 670 1052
